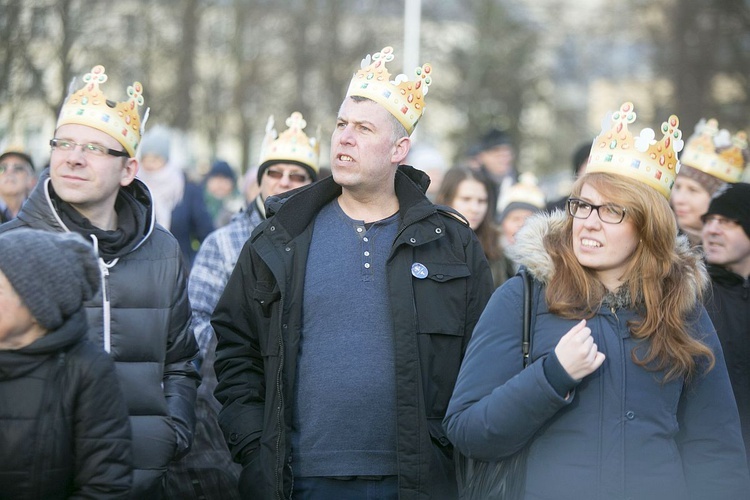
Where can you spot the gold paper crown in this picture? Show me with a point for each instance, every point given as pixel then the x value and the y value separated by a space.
pixel 716 152
pixel 89 106
pixel 526 192
pixel 291 146
pixel 643 158
pixel 404 99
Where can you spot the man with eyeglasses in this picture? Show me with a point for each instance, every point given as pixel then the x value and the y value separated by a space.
pixel 141 316
pixel 16 181
pixel 726 243
pixel 287 162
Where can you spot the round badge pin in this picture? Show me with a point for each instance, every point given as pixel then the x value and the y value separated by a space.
pixel 419 271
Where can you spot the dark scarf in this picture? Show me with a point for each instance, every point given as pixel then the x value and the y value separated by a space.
pixel 131 221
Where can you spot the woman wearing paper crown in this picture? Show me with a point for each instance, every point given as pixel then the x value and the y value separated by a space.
pixel 141 315
pixel 626 394
pixel 342 327
pixel 711 158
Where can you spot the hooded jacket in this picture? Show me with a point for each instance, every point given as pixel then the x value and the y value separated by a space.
pixel 622 432
pixel 142 318
pixel 64 428
pixel 258 322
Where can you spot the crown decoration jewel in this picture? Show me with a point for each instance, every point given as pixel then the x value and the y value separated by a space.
pixel 403 98
pixel 292 145
pixel 643 158
pixel 716 152
pixel 89 106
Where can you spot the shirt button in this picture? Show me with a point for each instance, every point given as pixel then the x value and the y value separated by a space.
pixel 365 239
pixel 438 230
pixel 367 254
pixel 359 229
pixel 413 240
pixel 630 415
pixel 367 265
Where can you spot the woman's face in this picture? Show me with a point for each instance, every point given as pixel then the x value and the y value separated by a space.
pixel 471 201
pixel 689 200
pixel 17 326
pixel 604 247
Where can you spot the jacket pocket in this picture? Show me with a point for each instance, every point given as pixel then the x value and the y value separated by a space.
pixel 440 298
pixel 440 301
pixel 266 298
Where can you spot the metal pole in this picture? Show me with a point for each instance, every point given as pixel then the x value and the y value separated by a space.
pixel 412 25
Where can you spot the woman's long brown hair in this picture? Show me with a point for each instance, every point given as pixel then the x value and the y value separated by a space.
pixel 656 276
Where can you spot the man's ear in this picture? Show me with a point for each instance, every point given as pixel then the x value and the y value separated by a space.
pixel 129 171
pixel 400 150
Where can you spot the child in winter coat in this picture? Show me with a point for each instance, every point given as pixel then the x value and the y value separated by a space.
pixel 64 429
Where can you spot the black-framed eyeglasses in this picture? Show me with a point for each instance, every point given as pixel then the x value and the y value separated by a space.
pixel 609 213
pixel 293 177
pixel 87 148
pixel 16 168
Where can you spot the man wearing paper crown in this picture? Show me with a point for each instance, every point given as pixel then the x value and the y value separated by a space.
pixel 626 387
pixel 287 161
pixel 342 327
pixel 712 157
pixel 141 316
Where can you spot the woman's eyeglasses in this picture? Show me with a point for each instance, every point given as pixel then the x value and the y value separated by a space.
pixel 609 213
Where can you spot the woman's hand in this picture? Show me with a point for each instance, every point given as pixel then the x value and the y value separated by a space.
pixel 577 352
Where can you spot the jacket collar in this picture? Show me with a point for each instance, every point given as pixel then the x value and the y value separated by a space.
pixel 295 210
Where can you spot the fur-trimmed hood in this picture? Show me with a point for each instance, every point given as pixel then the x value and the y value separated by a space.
pixel 529 251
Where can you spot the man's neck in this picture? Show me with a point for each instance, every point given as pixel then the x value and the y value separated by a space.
pixel 741 268
pixel 102 219
pixel 368 207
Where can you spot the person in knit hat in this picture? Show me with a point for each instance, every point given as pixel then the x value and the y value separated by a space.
pixel 63 419
pixel 178 202
pixel 726 242
pixel 16 181
pixel 220 193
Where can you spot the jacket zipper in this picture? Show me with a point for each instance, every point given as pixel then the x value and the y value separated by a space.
pixel 279 417
pixel 106 313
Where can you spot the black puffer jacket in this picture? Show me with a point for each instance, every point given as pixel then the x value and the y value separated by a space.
pixel 64 430
pixel 144 321
pixel 258 322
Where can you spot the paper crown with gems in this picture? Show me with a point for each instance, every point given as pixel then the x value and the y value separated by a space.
pixel 291 146
pixel 89 106
pixel 404 99
pixel 653 162
pixel 716 152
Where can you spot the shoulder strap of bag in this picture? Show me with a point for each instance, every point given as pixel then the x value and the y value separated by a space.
pixel 528 288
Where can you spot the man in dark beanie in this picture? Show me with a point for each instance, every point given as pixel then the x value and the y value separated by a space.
pixel 64 424
pixel 726 241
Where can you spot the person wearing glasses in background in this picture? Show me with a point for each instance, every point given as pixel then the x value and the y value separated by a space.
pixel 16 182
pixel 726 243
pixel 626 394
pixel 141 316
pixel 287 162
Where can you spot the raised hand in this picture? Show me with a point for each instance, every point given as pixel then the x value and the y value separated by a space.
pixel 578 353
